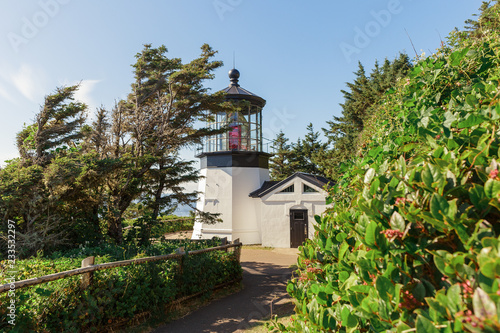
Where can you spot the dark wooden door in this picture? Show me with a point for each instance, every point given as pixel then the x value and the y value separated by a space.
pixel 298 227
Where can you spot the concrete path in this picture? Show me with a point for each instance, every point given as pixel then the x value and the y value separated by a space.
pixel 265 273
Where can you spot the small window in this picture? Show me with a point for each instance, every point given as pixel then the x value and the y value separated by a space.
pixel 309 189
pixel 289 189
pixel 298 216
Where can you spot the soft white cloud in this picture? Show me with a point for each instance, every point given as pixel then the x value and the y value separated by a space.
pixel 4 94
pixel 30 82
pixel 84 94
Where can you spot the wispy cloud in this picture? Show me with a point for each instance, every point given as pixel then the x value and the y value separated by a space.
pixel 84 93
pixel 30 82
pixel 6 95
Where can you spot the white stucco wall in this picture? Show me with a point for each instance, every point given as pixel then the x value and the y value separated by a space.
pixel 198 226
pixel 246 221
pixel 275 211
pixel 225 191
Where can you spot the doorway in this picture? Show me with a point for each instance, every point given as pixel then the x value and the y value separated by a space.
pixel 298 227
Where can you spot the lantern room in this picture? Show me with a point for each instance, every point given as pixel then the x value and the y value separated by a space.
pixel 245 125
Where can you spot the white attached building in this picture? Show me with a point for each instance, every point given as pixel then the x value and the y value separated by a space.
pixel 236 183
pixel 287 208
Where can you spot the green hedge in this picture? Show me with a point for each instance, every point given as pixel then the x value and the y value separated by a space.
pixel 116 294
pixel 164 225
pixel 412 243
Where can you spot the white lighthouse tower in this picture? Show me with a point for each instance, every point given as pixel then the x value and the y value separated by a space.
pixel 233 165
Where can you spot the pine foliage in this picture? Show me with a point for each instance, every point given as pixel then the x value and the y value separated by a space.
pixel 74 181
pixel 358 110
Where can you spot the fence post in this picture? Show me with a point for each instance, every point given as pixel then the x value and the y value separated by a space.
pixel 223 242
pixel 180 282
pixel 237 249
pixel 181 259
pixel 87 278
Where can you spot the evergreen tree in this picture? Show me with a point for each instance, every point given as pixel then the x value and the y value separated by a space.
pixel 297 160
pixel 311 146
pixel 304 154
pixel 488 21
pixel 359 107
pixel 58 123
pixel 72 177
pixel 279 164
pixel 43 189
pixel 153 123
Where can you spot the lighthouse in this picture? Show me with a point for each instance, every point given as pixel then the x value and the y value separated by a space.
pixel 233 164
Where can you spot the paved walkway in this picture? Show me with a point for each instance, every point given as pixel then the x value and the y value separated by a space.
pixel 265 273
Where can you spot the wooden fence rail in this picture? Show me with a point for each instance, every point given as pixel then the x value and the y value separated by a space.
pixel 88 268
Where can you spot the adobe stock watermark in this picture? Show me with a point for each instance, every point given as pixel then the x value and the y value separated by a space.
pixel 364 36
pixel 11 271
pixel 32 25
pixel 224 6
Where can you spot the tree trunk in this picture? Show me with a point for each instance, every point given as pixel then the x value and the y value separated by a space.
pixel 94 220
pixel 115 230
pixel 119 204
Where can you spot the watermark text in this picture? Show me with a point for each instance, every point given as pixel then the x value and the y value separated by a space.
pixel 363 36
pixel 32 25
pixel 223 6
pixel 11 271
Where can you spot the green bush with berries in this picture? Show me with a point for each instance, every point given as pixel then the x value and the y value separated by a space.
pixel 412 243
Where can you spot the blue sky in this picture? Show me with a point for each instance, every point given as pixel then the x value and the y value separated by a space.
pixel 297 55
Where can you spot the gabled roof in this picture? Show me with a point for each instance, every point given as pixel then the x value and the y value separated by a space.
pixel 267 185
pixel 270 186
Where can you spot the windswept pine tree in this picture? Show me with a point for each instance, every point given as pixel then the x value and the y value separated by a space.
pixel 74 181
pixel 153 123
pixel 29 192
pixel 57 124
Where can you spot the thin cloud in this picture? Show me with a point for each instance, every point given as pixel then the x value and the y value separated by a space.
pixel 30 82
pixel 84 95
pixel 6 95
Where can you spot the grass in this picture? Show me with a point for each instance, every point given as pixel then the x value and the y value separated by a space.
pixel 258 247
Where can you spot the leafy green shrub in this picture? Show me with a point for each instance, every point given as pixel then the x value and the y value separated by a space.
pixel 197 268
pixel 172 223
pixel 116 294
pixel 413 243
pixel 144 229
pixel 121 252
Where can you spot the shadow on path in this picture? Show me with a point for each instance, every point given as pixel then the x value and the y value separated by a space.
pixel 264 283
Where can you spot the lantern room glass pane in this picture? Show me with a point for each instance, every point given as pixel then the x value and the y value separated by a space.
pixel 235 137
pixel 245 131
